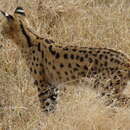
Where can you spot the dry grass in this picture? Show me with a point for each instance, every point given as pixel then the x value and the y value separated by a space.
pixel 102 23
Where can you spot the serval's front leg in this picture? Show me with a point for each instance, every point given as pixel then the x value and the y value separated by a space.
pixel 48 95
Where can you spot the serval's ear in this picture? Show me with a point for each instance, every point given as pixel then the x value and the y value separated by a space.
pixel 19 15
pixel 19 11
pixel 5 16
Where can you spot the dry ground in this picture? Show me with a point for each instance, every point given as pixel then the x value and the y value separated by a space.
pixel 100 23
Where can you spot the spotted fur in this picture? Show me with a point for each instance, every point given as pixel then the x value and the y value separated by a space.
pixel 51 64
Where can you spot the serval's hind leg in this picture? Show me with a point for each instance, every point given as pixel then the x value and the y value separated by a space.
pixel 114 88
pixel 48 95
pixel 111 88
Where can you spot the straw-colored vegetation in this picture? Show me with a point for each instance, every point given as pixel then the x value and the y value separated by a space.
pixel 100 23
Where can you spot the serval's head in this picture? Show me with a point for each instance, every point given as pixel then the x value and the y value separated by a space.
pixel 15 27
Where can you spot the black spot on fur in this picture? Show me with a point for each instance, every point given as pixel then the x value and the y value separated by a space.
pixel 129 74
pixel 82 74
pixel 77 65
pixel 41 64
pixel 117 61
pixel 35 71
pixel 104 52
pixel 69 65
pixel 73 77
pixel 50 49
pixel 39 48
pixel 98 51
pixel 66 73
pixel 35 82
pixel 57 55
pixel 75 69
pixel 94 69
pixel 72 56
pixel 86 56
pixel 31 69
pixel 100 56
pixel 77 57
pixel 90 52
pixel 49 63
pixel 42 54
pixel 71 71
pixel 40 81
pixel 48 41
pixel 96 61
pixel 53 67
pixel 108 52
pixel 101 65
pixel 111 59
pixel 67 79
pixel 90 60
pixel 37 58
pixel 58 72
pixel 95 55
pixel 65 49
pixel 34 58
pixel 99 70
pixel 46 60
pixel 74 50
pixel 40 72
pixel 33 51
pixel 61 65
pixel 82 51
pixel 106 57
pixel 105 64
pixel 85 67
pixel 81 59
pixel 66 56
pixel 111 54
pixel 60 77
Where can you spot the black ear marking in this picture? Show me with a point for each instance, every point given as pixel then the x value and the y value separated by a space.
pixel 8 16
pixel 20 10
pixel 3 13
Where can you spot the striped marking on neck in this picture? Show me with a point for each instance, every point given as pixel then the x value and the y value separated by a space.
pixel 26 35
